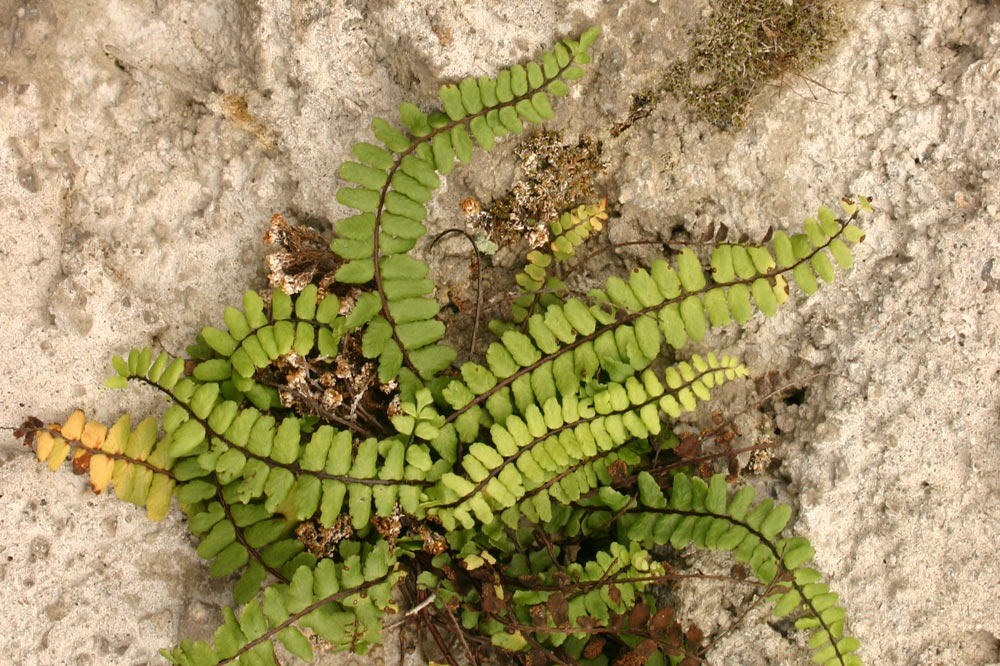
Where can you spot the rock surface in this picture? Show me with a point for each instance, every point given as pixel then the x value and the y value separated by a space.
pixel 145 146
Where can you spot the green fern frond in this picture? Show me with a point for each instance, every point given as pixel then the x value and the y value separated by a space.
pixel 396 181
pixel 701 513
pixel 342 602
pixel 540 287
pixel 557 434
pixel 529 496
pixel 622 331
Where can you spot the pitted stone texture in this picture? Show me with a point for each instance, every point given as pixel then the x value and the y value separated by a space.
pixel 146 145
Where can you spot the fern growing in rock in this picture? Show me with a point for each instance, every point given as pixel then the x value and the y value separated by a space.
pixel 327 451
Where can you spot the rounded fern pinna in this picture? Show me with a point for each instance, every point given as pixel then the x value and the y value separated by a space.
pixel 521 500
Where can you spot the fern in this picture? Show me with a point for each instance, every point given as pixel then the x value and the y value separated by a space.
pixel 395 181
pixel 525 498
pixel 538 285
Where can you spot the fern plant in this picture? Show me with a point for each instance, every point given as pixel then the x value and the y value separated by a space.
pixel 522 505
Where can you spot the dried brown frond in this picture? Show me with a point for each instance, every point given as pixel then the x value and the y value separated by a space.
pixel 390 526
pixel 434 543
pixel 322 541
pixel 641 107
pixel 556 177
pixel 301 254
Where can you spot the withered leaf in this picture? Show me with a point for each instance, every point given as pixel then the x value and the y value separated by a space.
pixel 594 647
pixel 483 574
pixel 733 468
pixel 300 254
pixel 81 461
pixel 539 617
pixel 537 657
pixel 662 621
pixel 491 604
pixel 721 233
pixel 645 649
pixel 618 471
pixel 638 616
pixel 672 651
pixel 559 609
pixel 615 594
pixel 689 447
pixel 638 655
pixel 561 579
pixel 694 636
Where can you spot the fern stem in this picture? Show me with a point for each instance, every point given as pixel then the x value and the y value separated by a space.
pixel 479 279
pixel 770 545
pixel 241 537
pixel 295 617
pixel 461 635
pixel 445 652
pixel 615 246
pixel 586 586
pixel 294 468
pixel 552 655
pixel 566 426
pixel 397 163
pixel 628 318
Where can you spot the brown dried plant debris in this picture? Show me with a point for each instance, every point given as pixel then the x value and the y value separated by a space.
pixel 556 177
pixel 236 110
pixel 736 52
pixel 300 255
pixel 322 541
pixel 344 389
pixel 390 526
pixel 760 461
pixel 434 543
pixel 641 107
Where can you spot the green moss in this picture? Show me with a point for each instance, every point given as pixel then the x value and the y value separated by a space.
pixel 745 44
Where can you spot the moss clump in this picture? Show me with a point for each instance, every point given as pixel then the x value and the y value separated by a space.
pixel 744 44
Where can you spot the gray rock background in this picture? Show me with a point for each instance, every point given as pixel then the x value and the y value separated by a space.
pixel 135 188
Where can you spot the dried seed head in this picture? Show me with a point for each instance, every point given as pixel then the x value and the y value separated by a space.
pixel 538 236
pixel 393 407
pixel 470 206
pixel 332 399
